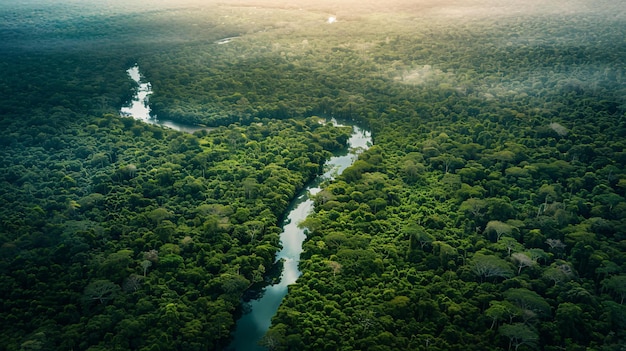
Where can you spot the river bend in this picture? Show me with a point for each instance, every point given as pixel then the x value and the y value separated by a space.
pixel 253 325
pixel 139 107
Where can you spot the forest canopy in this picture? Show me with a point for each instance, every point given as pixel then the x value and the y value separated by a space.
pixel 490 214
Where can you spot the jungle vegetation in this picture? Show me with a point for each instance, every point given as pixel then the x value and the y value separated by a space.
pixel 489 215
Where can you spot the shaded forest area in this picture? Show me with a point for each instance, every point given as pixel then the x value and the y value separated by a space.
pixel 490 214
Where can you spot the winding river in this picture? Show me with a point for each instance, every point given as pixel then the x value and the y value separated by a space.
pixel 253 325
pixel 139 107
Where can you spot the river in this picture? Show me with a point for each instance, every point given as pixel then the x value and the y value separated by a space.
pixel 139 107
pixel 253 325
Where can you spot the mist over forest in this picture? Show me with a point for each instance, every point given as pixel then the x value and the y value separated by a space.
pixel 489 213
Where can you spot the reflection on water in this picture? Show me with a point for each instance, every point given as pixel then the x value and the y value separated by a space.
pixel 139 107
pixel 253 325
pixel 225 40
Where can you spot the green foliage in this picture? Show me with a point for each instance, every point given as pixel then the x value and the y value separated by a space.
pixel 616 285
pixel 499 139
pixel 488 266
pixel 100 291
pixel 146 229
pixel 528 300
pixel 519 335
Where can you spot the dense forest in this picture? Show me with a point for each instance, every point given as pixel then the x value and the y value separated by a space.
pixel 489 215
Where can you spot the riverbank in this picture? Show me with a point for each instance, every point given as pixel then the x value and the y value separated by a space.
pixel 139 107
pixel 253 325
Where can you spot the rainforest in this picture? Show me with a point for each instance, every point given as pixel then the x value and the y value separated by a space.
pixel 487 212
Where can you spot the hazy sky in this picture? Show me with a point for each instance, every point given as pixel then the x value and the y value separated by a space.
pixel 416 7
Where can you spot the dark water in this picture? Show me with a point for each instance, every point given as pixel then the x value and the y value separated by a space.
pixel 253 325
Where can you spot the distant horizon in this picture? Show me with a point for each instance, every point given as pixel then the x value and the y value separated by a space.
pixel 469 193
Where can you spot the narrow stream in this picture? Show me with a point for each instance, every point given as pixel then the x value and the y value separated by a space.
pixel 253 325
pixel 139 107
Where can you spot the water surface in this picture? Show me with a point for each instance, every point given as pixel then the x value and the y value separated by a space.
pixel 253 325
pixel 139 107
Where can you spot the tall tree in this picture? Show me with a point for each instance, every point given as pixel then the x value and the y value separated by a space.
pixel 487 266
pixel 519 334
